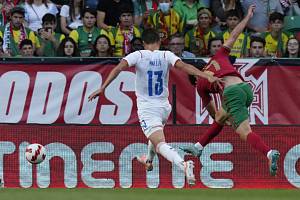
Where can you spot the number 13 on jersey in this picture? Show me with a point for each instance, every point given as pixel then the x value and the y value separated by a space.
pixel 156 78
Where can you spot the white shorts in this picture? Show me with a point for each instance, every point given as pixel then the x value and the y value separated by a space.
pixel 153 119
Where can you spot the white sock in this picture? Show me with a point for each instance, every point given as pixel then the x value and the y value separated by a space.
pixel 198 146
pixel 170 154
pixel 151 151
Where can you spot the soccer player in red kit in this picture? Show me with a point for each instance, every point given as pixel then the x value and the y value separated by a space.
pixel 236 95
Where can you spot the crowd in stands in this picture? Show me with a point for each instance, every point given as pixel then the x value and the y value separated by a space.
pixel 112 28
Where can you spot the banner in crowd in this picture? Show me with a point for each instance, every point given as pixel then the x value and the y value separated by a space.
pixel 104 157
pixel 55 91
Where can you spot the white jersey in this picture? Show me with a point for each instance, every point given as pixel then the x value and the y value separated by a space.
pixel 152 76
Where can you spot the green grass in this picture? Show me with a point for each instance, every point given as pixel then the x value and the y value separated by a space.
pixel 148 194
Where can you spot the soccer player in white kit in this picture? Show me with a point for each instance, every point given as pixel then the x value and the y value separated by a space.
pixel 151 85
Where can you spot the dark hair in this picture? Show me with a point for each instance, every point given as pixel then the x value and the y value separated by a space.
pixel 61 48
pixel 110 49
pixel 49 18
pixel 150 36
pixel 25 42
pixel 257 39
pixel 134 46
pixel 286 54
pixel 89 10
pixel 72 9
pixel 136 39
pixel 276 15
pixel 232 13
pixel 176 35
pixel 124 8
pixel 211 40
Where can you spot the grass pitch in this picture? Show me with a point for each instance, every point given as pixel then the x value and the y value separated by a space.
pixel 148 194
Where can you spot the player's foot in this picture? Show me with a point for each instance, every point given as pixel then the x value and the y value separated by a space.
pixel 192 150
pixel 273 159
pixel 189 172
pixel 147 163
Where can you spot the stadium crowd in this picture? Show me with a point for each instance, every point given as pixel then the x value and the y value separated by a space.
pixel 106 28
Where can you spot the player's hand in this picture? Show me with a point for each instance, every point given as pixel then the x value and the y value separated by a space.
pixel 213 79
pixel 95 94
pixel 251 10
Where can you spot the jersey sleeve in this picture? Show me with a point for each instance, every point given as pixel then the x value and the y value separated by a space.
pixel 202 89
pixel 133 58
pixel 171 57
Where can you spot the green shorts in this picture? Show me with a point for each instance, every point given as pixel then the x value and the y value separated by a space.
pixel 236 100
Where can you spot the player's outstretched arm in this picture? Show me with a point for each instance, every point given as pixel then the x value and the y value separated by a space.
pixel 112 75
pixel 191 70
pixel 239 28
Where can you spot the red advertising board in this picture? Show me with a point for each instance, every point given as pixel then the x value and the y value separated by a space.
pixel 103 157
pixel 55 91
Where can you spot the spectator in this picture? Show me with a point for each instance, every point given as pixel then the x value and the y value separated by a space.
pixel 136 44
pixel 286 7
pixel 102 47
pixel 276 39
pixel 166 20
pixel 196 40
pixel 35 10
pixel 220 7
pixel 292 49
pixel 26 48
pixel 241 45
pixel 124 33
pixel 70 16
pixel 214 44
pixel 14 32
pixel 86 35
pixel 5 7
pixel 176 45
pixel 48 39
pixel 108 13
pixel 68 48
pixel 259 21
pixel 142 9
pixel 257 47
pixel 187 9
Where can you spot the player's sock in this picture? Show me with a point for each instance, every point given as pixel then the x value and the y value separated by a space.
pixel 257 143
pixel 151 151
pixel 170 154
pixel 212 132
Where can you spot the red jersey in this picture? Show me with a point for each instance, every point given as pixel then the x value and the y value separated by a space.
pixel 219 66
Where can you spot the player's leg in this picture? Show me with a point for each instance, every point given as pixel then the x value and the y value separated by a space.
pixel 213 130
pixel 152 123
pixel 147 160
pixel 158 140
pixel 246 134
pixel 237 99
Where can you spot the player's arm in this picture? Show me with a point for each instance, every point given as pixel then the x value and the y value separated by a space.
pixel 112 75
pixel 239 28
pixel 191 70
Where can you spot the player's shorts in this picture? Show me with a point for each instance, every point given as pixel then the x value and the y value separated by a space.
pixel 153 119
pixel 236 100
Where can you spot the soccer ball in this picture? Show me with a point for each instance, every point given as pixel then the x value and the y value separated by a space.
pixel 35 153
